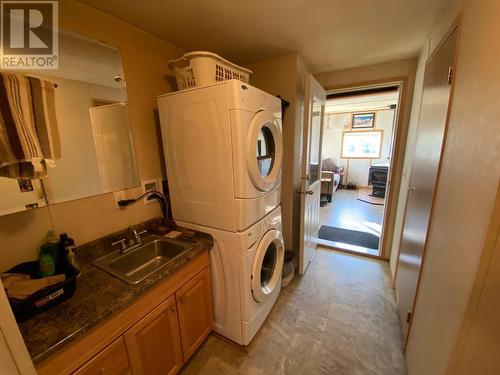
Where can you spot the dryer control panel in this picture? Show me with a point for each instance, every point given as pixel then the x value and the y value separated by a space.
pixel 271 221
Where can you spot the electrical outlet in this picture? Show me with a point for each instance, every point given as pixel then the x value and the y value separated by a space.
pixel 119 195
pixel 148 185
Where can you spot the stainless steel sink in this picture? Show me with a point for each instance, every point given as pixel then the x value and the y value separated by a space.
pixel 137 264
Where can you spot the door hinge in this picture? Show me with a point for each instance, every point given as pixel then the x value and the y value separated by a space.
pixel 408 317
pixel 450 74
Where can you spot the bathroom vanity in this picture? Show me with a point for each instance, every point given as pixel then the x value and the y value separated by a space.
pixel 111 327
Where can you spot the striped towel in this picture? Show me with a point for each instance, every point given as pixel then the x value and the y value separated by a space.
pixel 29 138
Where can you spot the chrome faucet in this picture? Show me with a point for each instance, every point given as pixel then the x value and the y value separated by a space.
pixel 132 241
pixel 134 238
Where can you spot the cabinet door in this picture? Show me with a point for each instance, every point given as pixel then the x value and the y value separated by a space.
pixel 194 301
pixel 154 344
pixel 111 361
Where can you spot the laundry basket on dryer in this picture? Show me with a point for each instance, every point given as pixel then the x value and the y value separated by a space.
pixel 201 68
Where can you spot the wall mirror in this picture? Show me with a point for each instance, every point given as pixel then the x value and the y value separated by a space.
pixel 91 111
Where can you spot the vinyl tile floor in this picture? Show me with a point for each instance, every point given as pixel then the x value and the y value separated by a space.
pixel 346 211
pixel 340 318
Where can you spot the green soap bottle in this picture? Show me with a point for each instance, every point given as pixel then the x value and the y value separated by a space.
pixel 49 255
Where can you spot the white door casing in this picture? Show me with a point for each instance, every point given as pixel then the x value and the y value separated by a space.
pixel 14 356
pixel 314 99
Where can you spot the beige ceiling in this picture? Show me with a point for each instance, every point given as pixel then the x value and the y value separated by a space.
pixel 329 34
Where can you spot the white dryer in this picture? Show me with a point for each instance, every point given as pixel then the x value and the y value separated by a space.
pixel 223 151
pixel 246 275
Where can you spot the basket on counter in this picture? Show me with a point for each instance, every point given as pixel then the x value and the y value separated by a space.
pixel 201 68
pixel 45 298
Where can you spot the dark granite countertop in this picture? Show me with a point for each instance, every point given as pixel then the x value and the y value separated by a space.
pixel 98 296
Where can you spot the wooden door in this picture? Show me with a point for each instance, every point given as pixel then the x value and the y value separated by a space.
pixel 310 191
pixel 154 343
pixel 195 312
pixel 424 173
pixel 111 361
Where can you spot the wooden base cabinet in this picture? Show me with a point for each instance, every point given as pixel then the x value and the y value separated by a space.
pixel 154 343
pixel 194 302
pixel 155 335
pixel 111 361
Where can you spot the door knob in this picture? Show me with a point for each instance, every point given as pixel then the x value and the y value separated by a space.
pixel 309 192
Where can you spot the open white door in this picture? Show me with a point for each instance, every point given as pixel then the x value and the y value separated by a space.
pixel 314 103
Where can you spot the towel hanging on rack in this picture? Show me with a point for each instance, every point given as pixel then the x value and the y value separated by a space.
pixel 29 138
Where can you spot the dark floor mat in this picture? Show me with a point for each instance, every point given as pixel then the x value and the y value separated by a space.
pixel 351 237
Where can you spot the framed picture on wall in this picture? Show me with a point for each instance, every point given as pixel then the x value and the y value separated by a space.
pixel 361 144
pixel 363 120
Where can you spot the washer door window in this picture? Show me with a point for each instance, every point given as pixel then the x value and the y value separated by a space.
pixel 264 150
pixel 267 266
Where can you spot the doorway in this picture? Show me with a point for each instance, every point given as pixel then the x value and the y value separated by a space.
pixel 357 156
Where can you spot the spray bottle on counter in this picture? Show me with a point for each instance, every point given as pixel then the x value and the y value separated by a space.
pixel 68 246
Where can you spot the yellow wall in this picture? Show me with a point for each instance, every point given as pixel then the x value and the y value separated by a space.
pixel 145 58
pixel 360 76
pixel 465 194
pixel 478 345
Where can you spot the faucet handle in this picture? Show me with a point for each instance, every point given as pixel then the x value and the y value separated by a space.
pixel 123 246
pixel 139 239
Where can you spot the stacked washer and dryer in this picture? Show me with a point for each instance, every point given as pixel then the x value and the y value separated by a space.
pixel 223 152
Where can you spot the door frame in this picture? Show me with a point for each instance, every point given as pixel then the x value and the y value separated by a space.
pixel 15 353
pixel 398 150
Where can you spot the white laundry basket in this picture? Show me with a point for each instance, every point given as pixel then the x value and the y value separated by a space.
pixel 201 68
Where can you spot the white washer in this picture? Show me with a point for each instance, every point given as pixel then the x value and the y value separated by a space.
pixel 223 151
pixel 246 275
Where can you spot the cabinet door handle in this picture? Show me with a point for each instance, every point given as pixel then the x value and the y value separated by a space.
pixel 182 299
pixel 173 308
pixel 102 370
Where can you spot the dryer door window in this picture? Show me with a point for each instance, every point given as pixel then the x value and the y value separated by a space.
pixel 264 150
pixel 267 266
